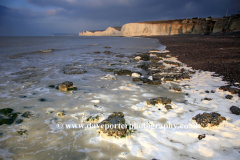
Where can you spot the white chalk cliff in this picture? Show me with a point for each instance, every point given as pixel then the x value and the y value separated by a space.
pixel 169 27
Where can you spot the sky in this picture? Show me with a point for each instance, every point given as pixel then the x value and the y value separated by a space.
pixel 46 17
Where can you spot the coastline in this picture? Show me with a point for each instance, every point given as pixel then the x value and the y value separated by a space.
pixel 215 53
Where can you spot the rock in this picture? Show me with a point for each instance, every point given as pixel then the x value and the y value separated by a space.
pixel 176 89
pixel 7 117
pixel 172 63
pixel 65 86
pixel 42 99
pixel 235 110
pixel 229 96
pixel 96 52
pixel 19 121
pixel 108 69
pixel 22 96
pixel 159 100
pixel 60 114
pixel 155 59
pixel 107 52
pixel 212 119
pixel 22 131
pixel 114 122
pixel 51 86
pixel 168 107
pixel 107 47
pixel 27 114
pixel 207 99
pixel 137 75
pixel 137 79
pixel 109 77
pixel 213 91
pixel 123 72
pixel 230 89
pixel 201 136
pixel 93 119
pixel 206 91
pixel 73 70
pixel 156 65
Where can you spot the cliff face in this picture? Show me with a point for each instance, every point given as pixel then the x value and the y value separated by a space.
pixel 110 31
pixel 170 27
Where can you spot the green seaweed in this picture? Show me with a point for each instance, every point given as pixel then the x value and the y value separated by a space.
pixel 6 111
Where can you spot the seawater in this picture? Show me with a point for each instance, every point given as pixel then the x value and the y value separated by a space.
pixel 28 65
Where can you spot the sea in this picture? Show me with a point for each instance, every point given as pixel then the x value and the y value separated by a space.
pixel 29 65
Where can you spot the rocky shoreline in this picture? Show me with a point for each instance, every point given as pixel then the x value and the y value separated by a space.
pixel 218 53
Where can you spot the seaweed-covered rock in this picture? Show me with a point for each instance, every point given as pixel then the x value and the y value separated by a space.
pixel 156 65
pixel 93 119
pixel 123 72
pixel 60 114
pixel 19 121
pixel 144 66
pixel 96 52
pixel 65 86
pixel 27 114
pixel 235 110
pixel 206 99
pixel 112 125
pixel 22 131
pixel 137 79
pixel 42 99
pixel 152 82
pixel 7 117
pixel 159 100
pixel 212 119
pixel 172 63
pixel 155 59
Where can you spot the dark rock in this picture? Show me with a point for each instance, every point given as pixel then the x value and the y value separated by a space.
pixel 1 134
pixel 213 91
pixel 235 110
pixel 51 86
pixel 230 89
pixel 151 82
pixel 168 78
pixel 206 91
pixel 123 72
pixel 6 111
pixel 159 100
pixel 168 107
pixel 107 52
pixel 22 131
pixel 137 79
pixel 96 52
pixel 201 136
pixel 212 119
pixel 27 114
pixel 113 120
pixel 144 66
pixel 22 96
pixel 156 65
pixel 108 69
pixel 119 55
pixel 42 99
pixel 19 121
pixel 207 99
pixel 107 47
pixel 155 59
pixel 229 96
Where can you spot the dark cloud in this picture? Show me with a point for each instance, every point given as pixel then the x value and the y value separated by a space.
pixel 78 15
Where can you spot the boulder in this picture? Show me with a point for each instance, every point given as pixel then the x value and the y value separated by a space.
pixel 159 100
pixel 235 110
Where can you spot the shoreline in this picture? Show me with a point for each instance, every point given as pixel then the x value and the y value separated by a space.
pixel 214 53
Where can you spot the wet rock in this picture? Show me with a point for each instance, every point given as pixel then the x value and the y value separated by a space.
pixel 213 91
pixel 206 91
pixel 93 119
pixel 42 99
pixel 51 86
pixel 207 99
pixel 73 70
pixel 229 96
pixel 114 121
pixel 144 56
pixel 144 66
pixel 107 52
pixel 22 96
pixel 65 86
pixel 22 131
pixel 27 115
pixel 156 65
pixel 19 121
pixel 211 119
pixel 7 117
pixel 168 78
pixel 60 114
pixel 201 136
pixel 176 89
pixel 137 79
pixel 107 47
pixel 119 55
pixel 159 100
pixel 230 89
pixel 235 110
pixel 162 55
pixel 1 134
pixel 172 63
pixel 108 69
pixel 155 59
pixel 109 77
pixel 96 52
pixel 168 107
pixel 123 72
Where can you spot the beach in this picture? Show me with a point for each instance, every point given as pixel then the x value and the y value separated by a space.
pixel 217 53
pixel 135 81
